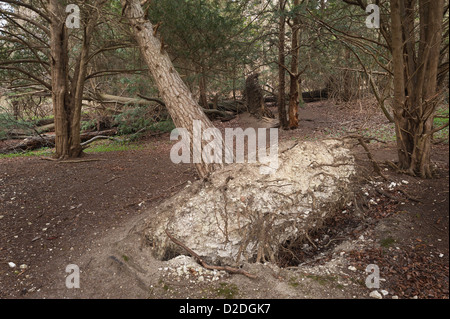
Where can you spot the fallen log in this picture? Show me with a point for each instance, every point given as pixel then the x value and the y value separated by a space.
pixel 46 128
pixel 217 114
pixel 316 95
pixel 108 98
pixel 35 142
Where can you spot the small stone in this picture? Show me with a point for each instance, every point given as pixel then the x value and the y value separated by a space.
pixel 352 268
pixel 394 297
pixel 384 292
pixel 23 266
pixel 376 295
pixel 201 278
pixel 11 264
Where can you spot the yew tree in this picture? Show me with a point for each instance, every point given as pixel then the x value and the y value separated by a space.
pixel 412 34
pixel 416 29
pixel 179 100
pixel 47 55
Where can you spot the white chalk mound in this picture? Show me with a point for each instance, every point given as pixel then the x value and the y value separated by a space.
pixel 240 215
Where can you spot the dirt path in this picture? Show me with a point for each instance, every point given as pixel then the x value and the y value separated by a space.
pixel 53 215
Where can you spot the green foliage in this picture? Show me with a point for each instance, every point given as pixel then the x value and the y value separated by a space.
pixel 132 120
pixel 227 291
pixel 9 123
pixel 440 121
pixel 162 126
pixel 139 119
pixel 387 242
pixel 111 146
pixel 45 151
pixel 88 125
pixel 211 38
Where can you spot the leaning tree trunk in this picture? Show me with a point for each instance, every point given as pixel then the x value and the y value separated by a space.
pixel 415 81
pixel 179 100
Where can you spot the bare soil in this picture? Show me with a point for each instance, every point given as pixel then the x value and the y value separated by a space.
pixel 86 213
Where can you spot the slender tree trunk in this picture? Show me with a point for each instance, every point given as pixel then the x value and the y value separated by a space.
pixel 202 88
pixel 179 100
pixel 282 115
pixel 294 76
pixel 60 79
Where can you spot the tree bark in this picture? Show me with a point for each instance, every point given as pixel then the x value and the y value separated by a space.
pixel 415 81
pixel 202 88
pixel 60 78
pixel 281 71
pixel 67 94
pixel 294 76
pixel 179 100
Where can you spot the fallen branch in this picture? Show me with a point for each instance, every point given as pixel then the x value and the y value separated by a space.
pixel 101 137
pixel 381 192
pixel 409 196
pixel 376 167
pixel 71 161
pixel 35 142
pixel 151 99
pixel 362 141
pixel 205 265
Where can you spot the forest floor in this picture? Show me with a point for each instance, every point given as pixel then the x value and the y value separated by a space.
pixel 56 214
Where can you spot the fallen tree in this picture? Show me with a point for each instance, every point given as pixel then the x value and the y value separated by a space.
pixel 224 110
pixel 35 142
pixel 239 215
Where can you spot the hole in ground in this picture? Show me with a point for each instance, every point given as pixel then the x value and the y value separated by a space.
pixel 335 230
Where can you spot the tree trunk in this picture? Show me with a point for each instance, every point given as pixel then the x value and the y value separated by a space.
pixel 60 79
pixel 281 71
pixel 179 100
pixel 415 81
pixel 202 88
pixel 67 94
pixel 253 95
pixel 294 76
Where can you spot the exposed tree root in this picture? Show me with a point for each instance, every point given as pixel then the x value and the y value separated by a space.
pixel 207 266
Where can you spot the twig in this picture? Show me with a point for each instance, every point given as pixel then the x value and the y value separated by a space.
pixel 379 191
pixel 309 239
pixel 71 161
pixel 331 240
pixel 163 193
pixel 290 147
pixel 111 179
pixel 102 137
pixel 205 265
pixel 376 167
pixel 409 196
